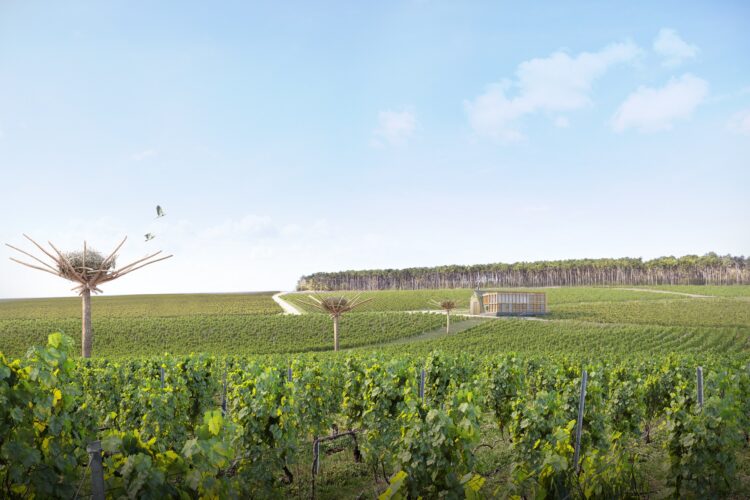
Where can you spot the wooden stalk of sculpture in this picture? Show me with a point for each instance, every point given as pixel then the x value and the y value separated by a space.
pixel 447 306
pixel 335 307
pixel 88 269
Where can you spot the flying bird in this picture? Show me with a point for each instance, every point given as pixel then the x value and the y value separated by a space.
pixel 150 236
pixel 159 211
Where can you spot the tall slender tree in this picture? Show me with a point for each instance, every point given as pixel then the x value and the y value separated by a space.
pixel 88 269
pixel 335 307
pixel 709 269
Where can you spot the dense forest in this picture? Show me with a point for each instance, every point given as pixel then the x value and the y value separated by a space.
pixel 709 269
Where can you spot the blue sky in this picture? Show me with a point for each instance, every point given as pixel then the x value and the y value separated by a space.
pixel 288 138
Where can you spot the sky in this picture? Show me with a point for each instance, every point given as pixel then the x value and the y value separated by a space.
pixel 285 138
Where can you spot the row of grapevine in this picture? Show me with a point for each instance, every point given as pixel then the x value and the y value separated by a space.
pixel 710 312
pixel 164 432
pixel 421 299
pixel 135 306
pixel 585 340
pixel 220 334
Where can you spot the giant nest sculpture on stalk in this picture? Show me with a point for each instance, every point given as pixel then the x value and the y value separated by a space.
pixel 335 307
pixel 447 306
pixel 88 269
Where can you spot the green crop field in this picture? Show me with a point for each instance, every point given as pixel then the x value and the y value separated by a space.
pixel 251 323
pixel 586 341
pixel 682 312
pixel 488 425
pixel 218 334
pixel 391 300
pixel 497 418
pixel 417 300
pixel 143 305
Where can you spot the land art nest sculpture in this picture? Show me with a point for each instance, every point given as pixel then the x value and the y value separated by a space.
pixel 447 306
pixel 335 306
pixel 88 269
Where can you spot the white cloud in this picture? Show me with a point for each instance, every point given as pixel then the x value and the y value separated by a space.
pixel 562 122
pixel 248 225
pixel 556 83
pixel 672 48
pixel 142 155
pixel 394 127
pixel 653 109
pixel 739 123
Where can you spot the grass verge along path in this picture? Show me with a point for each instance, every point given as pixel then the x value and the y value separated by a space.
pixel 456 328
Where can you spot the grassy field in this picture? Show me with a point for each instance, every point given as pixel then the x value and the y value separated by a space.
pixel 143 306
pixel 391 300
pixel 416 300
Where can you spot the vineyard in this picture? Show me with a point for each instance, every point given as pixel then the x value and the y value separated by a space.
pixel 586 341
pixel 219 334
pixel 143 305
pixel 361 250
pixel 206 426
pixel 222 396
pixel 684 312
pixel 415 300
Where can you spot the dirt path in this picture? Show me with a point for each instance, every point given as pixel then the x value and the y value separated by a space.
pixel 286 306
pixel 693 295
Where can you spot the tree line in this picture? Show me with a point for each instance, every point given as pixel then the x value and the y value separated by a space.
pixel 708 269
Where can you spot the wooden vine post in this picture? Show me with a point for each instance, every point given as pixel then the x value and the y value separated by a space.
pixel 88 269
pixel 335 307
pixel 579 422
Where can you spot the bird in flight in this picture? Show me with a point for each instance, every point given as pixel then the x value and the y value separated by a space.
pixel 159 211
pixel 150 236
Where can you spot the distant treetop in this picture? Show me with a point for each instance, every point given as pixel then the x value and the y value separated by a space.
pixel 708 269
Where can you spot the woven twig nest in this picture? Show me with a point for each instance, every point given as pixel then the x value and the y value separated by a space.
pixel 333 302
pixel 448 305
pixel 334 305
pixel 87 268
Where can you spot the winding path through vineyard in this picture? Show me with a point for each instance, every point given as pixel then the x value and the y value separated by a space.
pixel 286 306
pixel 668 292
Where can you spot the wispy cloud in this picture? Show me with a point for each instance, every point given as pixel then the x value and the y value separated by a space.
pixel 394 127
pixel 673 48
pixel 250 224
pixel 557 83
pixel 142 155
pixel 562 122
pixel 654 109
pixel 739 123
